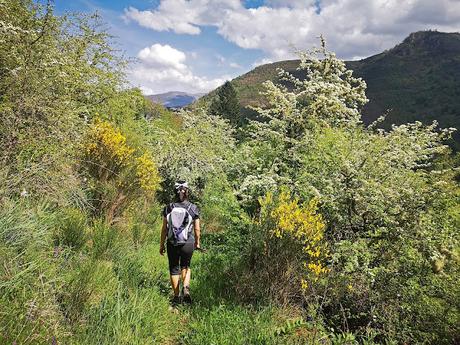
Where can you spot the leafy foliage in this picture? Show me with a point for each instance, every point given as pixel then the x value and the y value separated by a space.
pixel 55 71
pixel 284 217
pixel 226 104
pixel 377 191
pixel 119 176
pixel 417 80
pixel 200 148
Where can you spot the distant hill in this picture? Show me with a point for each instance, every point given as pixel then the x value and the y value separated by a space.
pixel 419 79
pixel 174 99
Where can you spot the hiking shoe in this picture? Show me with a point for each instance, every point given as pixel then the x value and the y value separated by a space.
pixel 186 295
pixel 175 301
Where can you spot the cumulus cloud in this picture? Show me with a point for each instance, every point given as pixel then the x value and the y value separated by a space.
pixel 351 27
pixel 162 68
pixel 159 56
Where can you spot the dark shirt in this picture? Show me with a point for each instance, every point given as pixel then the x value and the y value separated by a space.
pixel 193 210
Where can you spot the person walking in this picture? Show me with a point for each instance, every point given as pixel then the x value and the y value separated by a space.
pixel 181 233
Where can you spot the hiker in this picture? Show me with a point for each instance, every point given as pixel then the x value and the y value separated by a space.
pixel 181 230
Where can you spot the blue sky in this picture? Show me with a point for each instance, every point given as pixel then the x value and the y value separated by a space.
pixel 195 45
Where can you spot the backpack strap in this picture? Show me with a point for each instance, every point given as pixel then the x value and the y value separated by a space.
pixel 191 221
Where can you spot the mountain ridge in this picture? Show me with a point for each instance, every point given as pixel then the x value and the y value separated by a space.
pixel 417 80
pixel 174 99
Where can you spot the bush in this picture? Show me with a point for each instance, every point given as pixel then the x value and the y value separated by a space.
pixel 283 252
pixel 119 173
pixel 385 196
pixel 220 208
pixel 200 149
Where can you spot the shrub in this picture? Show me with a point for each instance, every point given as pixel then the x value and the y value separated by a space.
pixel 286 248
pixel 119 173
pixel 220 209
pixel 198 150
pixel 386 203
pixel 55 72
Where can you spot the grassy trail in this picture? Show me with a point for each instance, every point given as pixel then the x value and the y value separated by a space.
pixel 216 318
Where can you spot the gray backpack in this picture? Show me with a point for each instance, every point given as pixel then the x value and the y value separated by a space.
pixel 180 224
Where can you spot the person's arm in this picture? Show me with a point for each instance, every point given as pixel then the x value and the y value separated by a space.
pixel 163 236
pixel 196 227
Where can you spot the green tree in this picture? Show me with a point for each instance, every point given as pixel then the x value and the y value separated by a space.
pixel 328 97
pixel 55 72
pixel 388 208
pixel 196 149
pixel 226 104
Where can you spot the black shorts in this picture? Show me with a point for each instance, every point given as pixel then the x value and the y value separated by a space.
pixel 179 257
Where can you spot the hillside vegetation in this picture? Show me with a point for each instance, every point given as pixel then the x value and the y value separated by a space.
pixel 318 229
pixel 418 80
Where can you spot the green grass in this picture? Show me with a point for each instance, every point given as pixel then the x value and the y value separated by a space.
pixel 138 316
pixel 114 290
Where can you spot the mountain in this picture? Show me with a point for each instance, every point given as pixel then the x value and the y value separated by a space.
pixel 174 99
pixel 419 79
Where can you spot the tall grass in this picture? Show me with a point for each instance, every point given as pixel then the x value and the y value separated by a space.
pixel 72 229
pixel 62 281
pixel 29 313
pixel 69 279
pixel 131 317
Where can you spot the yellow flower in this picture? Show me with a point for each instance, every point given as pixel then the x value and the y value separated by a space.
pixel 304 284
pixel 147 173
pixel 287 217
pixel 108 151
pixel 107 142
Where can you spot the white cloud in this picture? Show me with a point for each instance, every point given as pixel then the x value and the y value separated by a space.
pixel 263 61
pixel 162 68
pixel 162 56
pixel 235 65
pixel 156 21
pixel 351 27
pixel 290 3
pixel 222 61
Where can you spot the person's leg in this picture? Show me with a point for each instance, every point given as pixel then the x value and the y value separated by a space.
pixel 185 259
pixel 174 267
pixel 175 283
pixel 185 275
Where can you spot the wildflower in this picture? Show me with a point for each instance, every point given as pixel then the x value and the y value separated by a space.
pixel 300 221
pixel 304 284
